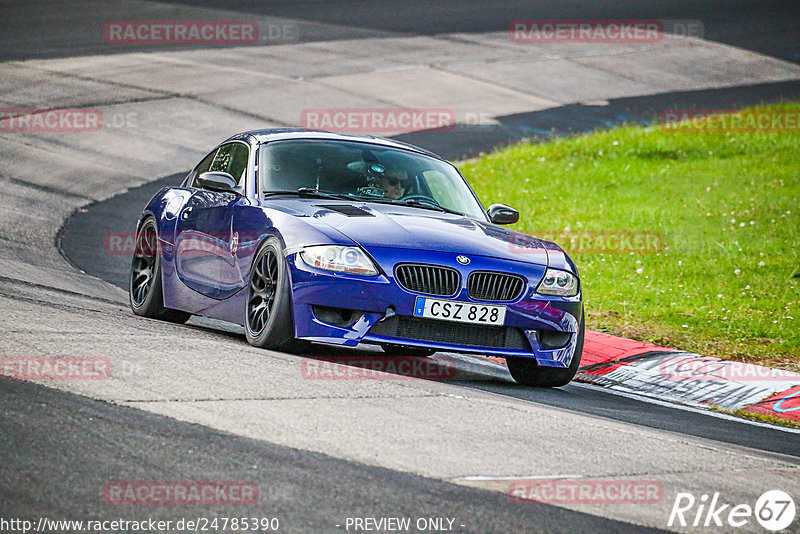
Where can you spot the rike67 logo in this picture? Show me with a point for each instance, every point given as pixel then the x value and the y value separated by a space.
pixel 774 510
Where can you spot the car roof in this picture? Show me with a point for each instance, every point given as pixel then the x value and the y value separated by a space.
pixel 280 134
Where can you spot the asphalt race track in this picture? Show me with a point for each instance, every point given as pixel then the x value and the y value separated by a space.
pixel 769 27
pixel 196 403
pixel 88 443
pixel 80 243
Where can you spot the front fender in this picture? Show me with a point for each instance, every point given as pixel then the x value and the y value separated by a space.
pixel 165 206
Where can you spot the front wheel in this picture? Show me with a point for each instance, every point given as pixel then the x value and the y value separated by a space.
pixel 527 372
pixel 269 322
pixel 145 290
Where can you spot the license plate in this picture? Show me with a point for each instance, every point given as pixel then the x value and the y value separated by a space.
pixel 462 312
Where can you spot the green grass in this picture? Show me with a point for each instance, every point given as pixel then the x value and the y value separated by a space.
pixel 726 204
pixel 763 418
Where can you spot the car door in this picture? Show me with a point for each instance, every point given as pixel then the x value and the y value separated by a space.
pixel 205 244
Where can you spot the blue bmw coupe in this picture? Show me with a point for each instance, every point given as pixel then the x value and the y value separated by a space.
pixel 305 236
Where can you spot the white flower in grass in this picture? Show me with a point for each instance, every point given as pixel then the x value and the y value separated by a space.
pixel 737 272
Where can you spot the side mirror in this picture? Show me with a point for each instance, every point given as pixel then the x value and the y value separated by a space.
pixel 218 181
pixel 502 214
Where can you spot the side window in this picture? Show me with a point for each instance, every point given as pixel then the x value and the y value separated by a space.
pixel 200 169
pixel 231 158
pixel 238 167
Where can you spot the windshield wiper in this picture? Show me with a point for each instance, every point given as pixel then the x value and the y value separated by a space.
pixel 427 204
pixel 309 192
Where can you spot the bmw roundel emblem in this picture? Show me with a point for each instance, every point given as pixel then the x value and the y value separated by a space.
pixel 463 260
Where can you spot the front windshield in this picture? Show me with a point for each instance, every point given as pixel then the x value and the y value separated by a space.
pixel 365 172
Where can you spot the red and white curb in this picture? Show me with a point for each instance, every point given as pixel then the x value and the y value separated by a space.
pixel 688 378
pixel 645 370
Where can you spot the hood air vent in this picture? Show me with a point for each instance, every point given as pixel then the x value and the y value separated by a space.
pixel 346 209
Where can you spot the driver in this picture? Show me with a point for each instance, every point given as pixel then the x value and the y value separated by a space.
pixel 394 183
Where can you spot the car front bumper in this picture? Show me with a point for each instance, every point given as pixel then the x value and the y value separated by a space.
pixel 347 310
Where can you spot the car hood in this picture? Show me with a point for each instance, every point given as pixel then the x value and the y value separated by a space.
pixel 385 225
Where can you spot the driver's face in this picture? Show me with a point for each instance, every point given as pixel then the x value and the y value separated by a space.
pixel 394 184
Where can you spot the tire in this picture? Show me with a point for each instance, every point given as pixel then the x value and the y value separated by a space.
pixel 527 372
pixel 145 290
pixel 404 350
pixel 269 322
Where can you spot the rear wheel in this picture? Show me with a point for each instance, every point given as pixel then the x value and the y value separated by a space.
pixel 526 371
pixel 145 291
pixel 269 321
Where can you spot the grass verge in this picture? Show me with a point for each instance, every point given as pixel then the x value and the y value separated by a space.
pixel 716 268
pixel 761 418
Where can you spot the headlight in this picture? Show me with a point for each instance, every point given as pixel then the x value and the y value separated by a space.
pixel 556 282
pixel 340 259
